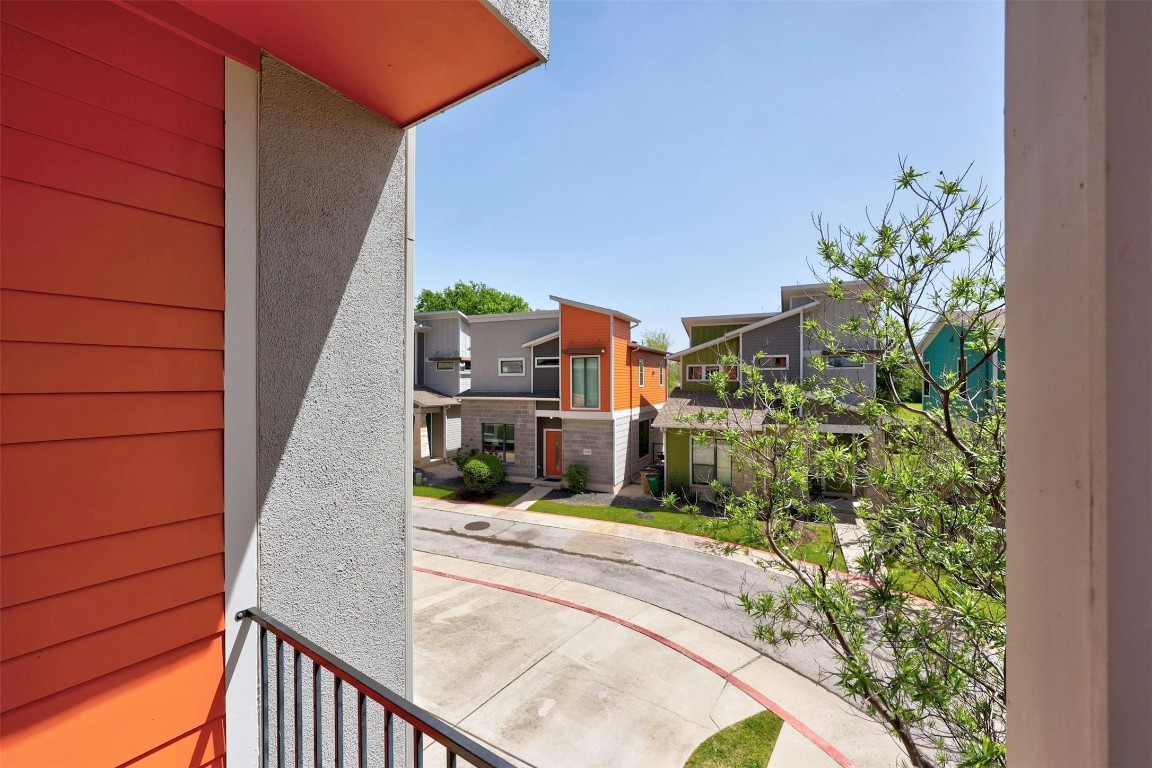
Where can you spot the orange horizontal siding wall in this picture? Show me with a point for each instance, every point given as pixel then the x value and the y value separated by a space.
pixel 111 390
pixel 654 392
pixel 584 329
pixel 623 380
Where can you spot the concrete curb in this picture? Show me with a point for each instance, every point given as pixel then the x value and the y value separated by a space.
pixel 729 677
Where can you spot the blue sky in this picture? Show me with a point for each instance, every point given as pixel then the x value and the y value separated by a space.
pixel 669 158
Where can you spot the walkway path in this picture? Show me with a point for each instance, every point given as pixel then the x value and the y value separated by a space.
pixel 674 582
pixel 530 497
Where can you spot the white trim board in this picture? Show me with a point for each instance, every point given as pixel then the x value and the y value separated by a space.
pixel 241 262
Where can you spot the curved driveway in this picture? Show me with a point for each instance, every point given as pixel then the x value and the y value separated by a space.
pixel 697 585
pixel 686 576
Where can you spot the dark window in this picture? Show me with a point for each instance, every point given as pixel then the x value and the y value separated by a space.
pixel 645 437
pixel 585 382
pixel 500 441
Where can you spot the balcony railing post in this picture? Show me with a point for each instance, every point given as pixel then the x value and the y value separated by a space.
pixel 317 717
pixel 361 730
pixel 338 695
pixel 279 703
pixel 389 741
pixel 263 697
pixel 297 705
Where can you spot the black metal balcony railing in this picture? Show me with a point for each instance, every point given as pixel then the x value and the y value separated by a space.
pixel 417 722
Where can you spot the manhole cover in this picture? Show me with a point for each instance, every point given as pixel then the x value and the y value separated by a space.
pixel 476 526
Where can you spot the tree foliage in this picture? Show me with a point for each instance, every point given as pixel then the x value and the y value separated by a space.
pixel 930 665
pixel 471 298
pixel 657 339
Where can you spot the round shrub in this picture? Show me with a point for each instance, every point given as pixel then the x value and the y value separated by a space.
pixel 482 473
pixel 577 478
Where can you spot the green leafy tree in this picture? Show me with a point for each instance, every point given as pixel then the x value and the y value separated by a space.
pixel 919 641
pixel 661 339
pixel 472 299
pixel 902 384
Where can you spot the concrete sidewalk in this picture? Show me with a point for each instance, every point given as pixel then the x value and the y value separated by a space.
pixel 560 673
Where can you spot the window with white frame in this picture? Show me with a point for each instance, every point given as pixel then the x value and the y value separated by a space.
pixel 499 440
pixel 641 373
pixel 547 362
pixel 927 388
pixel 843 361
pixel 711 460
pixel 704 372
pixel 466 366
pixel 443 366
pixel 772 362
pixel 661 375
pixel 585 382
pixel 511 366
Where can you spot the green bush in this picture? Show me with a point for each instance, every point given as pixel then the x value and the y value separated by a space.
pixel 482 473
pixel 577 475
pixel 462 456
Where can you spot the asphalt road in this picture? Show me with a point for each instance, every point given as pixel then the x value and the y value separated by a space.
pixel 696 585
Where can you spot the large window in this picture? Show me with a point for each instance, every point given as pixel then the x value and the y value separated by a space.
pixel 586 382
pixel 704 372
pixel 645 437
pixel 511 366
pixel 500 441
pixel 711 461
pixel 641 373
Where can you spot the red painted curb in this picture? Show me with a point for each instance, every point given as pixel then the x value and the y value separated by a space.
pixel 759 697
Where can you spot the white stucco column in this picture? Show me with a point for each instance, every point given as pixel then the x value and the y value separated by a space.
pixel 334 381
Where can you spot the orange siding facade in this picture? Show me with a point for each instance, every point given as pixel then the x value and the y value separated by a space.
pixel 654 391
pixel 111 390
pixel 584 329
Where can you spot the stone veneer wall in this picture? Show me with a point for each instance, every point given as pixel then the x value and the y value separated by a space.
pixel 475 413
pixel 597 436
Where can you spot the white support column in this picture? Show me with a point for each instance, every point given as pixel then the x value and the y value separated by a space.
pixel 241 108
pixel 1078 132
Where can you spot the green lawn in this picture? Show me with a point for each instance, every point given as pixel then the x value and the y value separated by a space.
pixel 437 492
pixel 433 491
pixel 685 523
pixel 746 744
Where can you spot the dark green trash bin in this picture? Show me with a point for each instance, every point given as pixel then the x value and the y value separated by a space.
pixel 654 483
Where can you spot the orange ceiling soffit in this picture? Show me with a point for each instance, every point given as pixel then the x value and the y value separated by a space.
pixel 405 59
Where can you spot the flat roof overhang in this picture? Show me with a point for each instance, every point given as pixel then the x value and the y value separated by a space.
pixel 405 59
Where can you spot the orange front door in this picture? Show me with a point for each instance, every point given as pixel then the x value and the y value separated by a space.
pixel 553 453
